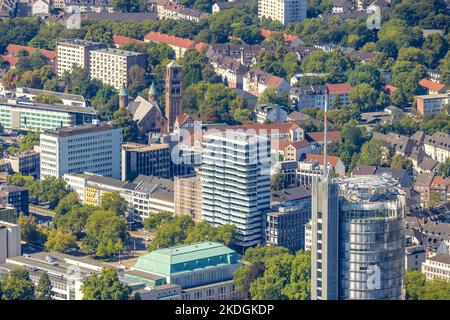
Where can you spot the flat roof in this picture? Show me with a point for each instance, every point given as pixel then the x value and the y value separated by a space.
pixel 78 42
pixel 144 147
pixel 434 96
pixel 62 95
pixel 81 129
pixel 50 107
pixel 119 52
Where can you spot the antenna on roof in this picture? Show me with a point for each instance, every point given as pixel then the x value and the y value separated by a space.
pixel 325 142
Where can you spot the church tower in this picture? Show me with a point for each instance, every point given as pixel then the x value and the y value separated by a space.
pixel 173 95
pixel 123 98
pixel 152 92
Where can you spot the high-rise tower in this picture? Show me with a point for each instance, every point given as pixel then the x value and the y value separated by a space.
pixel 173 95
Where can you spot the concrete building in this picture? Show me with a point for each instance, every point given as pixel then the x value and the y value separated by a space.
pixel 8 213
pixel 148 160
pixel 285 222
pixel 20 114
pixel 358 239
pixel 236 182
pixel 26 163
pixel 437 266
pixel 414 257
pixel 431 104
pixel 9 241
pixel 15 196
pixel 188 196
pixel 112 66
pixel 91 148
pixel 284 11
pixel 270 112
pixel 67 99
pixel 75 52
pixel 66 272
pixel 203 270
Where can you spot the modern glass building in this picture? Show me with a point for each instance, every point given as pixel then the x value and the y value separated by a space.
pixel 358 241
pixel 236 182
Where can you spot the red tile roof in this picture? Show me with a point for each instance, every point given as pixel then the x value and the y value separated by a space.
pixel 287 37
pixel 122 40
pixel 12 60
pixel 274 82
pixel 390 89
pixel 283 144
pixel 318 136
pixel 338 88
pixel 200 46
pixel 430 85
pixel 182 118
pixel 14 49
pixel 439 181
pixel 332 160
pixel 170 40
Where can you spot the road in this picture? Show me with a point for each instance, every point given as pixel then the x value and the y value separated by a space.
pixel 41 211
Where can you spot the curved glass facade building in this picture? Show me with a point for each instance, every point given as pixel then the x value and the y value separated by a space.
pixel 358 241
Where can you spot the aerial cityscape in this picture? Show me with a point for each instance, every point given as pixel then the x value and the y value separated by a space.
pixel 247 150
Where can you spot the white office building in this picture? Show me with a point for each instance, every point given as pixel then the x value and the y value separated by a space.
pixel 236 182
pixel 9 241
pixel 285 11
pixel 94 148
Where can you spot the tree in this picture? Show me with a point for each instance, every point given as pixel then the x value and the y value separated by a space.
pixel 20 180
pixel 61 241
pixel 106 102
pixel 102 228
pixel 277 182
pixel 171 233
pixel 436 289
pixel 44 288
pixel 124 119
pixel 79 82
pixel 444 169
pixel 29 141
pixel 203 231
pixel 155 219
pixel 299 287
pixel 113 201
pixel 105 286
pixel 400 162
pixel 415 283
pixel 245 275
pixel 29 229
pixel 17 285
pixel 74 221
pixel 137 296
pixel 69 202
pixel 375 152
pixel 47 99
pixel 363 98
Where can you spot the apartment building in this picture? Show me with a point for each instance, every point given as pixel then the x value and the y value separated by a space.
pixel 188 196
pixel 91 148
pixel 256 81
pixel 74 52
pixel 415 257
pixel 26 163
pixel 437 146
pixel 437 266
pixel 111 66
pixel 432 103
pixel 175 11
pixel 236 182
pixel 23 115
pixel 269 112
pixel 284 11
pixel 179 45
pixel 148 160
pixel 230 70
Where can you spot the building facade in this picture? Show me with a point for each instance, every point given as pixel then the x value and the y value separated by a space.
pixel 91 148
pixel 188 196
pixel 358 240
pixel 284 11
pixel 9 241
pixel 26 163
pixel 236 182
pixel 437 266
pixel 149 160
pixel 174 94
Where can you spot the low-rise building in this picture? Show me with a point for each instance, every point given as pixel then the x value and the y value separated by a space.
pixel 15 196
pixel 285 224
pixel 437 266
pixel 256 81
pixel 148 160
pixel 175 11
pixel 26 163
pixel 230 70
pixel 179 45
pixel 67 99
pixel 414 257
pixel 269 112
pixel 432 87
pixel 39 7
pixel 431 104
pixel 290 151
pixel 437 146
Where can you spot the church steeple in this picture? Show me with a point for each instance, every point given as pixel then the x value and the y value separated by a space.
pixel 152 92
pixel 123 97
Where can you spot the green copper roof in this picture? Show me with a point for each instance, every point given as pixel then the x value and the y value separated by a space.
pixel 152 90
pixel 186 258
pixel 123 92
